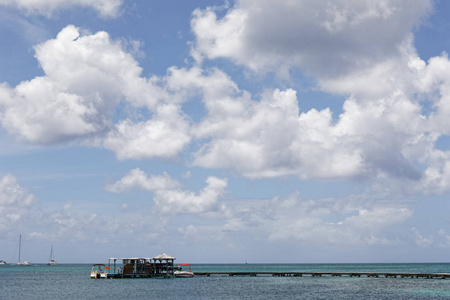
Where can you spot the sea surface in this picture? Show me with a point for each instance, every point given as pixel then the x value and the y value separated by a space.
pixel 72 281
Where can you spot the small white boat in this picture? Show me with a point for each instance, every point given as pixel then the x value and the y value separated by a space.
pixel 25 262
pixel 2 262
pixel 51 261
pixel 99 271
pixel 183 273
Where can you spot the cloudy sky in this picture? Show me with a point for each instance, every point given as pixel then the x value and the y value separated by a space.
pixel 225 131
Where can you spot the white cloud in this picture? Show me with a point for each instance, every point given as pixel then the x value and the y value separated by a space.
pixel 165 135
pixel 434 83
pixel 15 203
pixel 76 224
pixel 189 232
pixel 421 240
pixel 446 238
pixel 40 111
pixel 86 77
pixel 137 178
pixel 168 197
pixel 328 39
pixel 385 130
pixel 359 48
pixel 106 8
pixel 381 133
pixel 346 221
pixel 271 137
pixel 436 179
pixel 343 222
pixel 185 202
pixel 97 68
pixel 254 137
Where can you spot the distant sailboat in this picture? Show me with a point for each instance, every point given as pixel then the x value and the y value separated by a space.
pixel 51 261
pixel 25 262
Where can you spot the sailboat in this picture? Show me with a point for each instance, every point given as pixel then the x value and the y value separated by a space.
pixel 25 262
pixel 51 261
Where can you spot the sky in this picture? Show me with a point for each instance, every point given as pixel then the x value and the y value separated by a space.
pixel 256 131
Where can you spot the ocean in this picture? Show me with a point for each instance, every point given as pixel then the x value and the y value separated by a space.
pixel 72 281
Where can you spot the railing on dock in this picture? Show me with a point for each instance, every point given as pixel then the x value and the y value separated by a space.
pixel 331 274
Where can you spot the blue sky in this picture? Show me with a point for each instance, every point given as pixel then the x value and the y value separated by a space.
pixel 225 131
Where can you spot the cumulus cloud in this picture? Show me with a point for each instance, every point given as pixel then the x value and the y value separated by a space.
pixel 385 130
pixel 363 219
pixel 436 179
pixel 106 8
pixel 15 203
pixel 137 178
pixel 78 93
pixel 181 202
pixel 272 137
pixel 86 77
pixel 165 135
pixel 382 132
pixel 326 38
pixel 168 197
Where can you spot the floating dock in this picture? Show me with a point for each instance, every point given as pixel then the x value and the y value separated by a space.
pixel 331 274
pixel 159 266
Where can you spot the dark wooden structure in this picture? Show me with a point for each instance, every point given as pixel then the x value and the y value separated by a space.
pixel 158 266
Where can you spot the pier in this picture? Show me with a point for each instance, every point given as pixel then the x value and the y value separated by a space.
pixel 331 274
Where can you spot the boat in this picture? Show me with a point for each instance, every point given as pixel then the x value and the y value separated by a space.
pixel 180 273
pixel 2 262
pixel 99 271
pixel 51 261
pixel 25 262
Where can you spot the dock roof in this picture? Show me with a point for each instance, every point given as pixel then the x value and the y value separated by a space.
pixel 115 258
pixel 163 256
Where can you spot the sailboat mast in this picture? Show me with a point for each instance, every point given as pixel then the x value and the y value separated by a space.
pixel 20 242
pixel 51 254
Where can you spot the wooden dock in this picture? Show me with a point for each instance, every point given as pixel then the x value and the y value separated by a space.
pixel 138 275
pixel 331 274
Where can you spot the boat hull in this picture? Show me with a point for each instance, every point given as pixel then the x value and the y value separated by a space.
pixel 183 274
pixel 95 275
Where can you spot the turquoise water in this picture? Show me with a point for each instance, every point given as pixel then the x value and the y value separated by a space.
pixel 73 282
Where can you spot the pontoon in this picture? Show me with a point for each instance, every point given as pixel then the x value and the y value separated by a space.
pixel 184 273
pixel 99 271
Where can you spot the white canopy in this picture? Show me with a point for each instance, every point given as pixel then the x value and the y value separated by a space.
pixel 163 257
pixel 132 258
